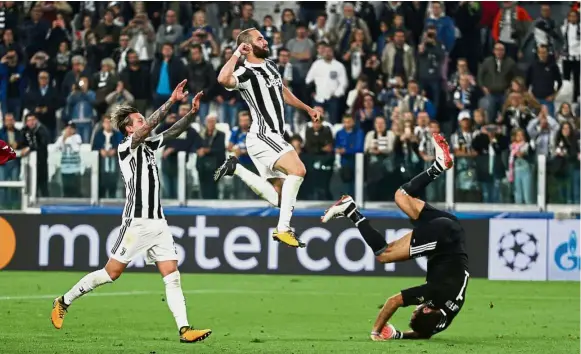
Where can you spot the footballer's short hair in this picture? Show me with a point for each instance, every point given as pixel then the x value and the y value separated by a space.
pixel 245 36
pixel 425 324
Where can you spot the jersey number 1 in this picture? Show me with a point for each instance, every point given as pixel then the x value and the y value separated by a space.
pixel 460 297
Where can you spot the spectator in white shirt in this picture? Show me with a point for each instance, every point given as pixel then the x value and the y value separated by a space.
pixel 69 143
pixel 330 78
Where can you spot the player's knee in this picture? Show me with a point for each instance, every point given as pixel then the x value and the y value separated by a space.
pixel 400 197
pixel 298 170
pixel 114 274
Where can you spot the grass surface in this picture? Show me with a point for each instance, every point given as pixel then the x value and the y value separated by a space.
pixel 278 314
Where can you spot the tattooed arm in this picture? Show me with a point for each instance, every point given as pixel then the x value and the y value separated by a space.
pixel 156 117
pixel 182 125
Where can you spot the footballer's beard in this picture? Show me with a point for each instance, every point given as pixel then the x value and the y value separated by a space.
pixel 259 52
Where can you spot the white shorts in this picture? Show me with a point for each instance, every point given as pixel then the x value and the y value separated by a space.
pixel 265 150
pixel 149 237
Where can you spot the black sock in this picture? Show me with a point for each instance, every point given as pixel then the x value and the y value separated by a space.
pixel 421 181
pixel 371 236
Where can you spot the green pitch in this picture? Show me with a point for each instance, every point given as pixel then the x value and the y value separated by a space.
pixel 278 314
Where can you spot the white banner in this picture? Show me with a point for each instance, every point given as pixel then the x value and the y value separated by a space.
pixel 517 249
pixel 563 252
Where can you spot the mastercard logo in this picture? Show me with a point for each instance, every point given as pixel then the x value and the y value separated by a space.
pixel 7 243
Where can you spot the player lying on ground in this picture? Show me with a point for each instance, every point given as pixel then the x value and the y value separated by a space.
pixel 144 230
pixel 280 168
pixel 437 235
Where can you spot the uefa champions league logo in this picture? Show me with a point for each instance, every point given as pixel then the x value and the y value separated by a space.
pixel 518 250
pixel 566 257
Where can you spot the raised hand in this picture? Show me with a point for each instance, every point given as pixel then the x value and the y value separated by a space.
pixel 179 94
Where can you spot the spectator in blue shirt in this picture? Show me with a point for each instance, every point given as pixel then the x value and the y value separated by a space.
pixel 80 108
pixel 445 29
pixel 348 142
pixel 237 146
pixel 167 73
pixel 12 84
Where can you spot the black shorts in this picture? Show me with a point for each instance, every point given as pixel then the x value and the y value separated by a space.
pixel 433 230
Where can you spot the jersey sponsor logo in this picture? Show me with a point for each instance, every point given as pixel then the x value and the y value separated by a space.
pixel 273 82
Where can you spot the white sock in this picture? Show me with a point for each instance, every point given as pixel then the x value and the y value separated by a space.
pixel 261 187
pixel 87 284
pixel 290 189
pixel 175 298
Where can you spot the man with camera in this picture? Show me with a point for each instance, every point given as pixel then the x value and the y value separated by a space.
pixel 431 55
pixel 171 31
pixel 12 84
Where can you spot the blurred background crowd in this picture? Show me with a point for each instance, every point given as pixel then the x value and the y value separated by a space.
pixel 499 79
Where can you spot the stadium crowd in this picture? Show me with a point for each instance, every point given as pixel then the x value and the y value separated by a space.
pixel 385 75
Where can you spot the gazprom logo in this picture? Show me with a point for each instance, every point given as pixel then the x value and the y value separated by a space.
pixel 566 256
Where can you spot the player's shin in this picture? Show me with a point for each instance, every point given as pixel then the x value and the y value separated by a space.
pixel 87 284
pixel 421 181
pixel 290 189
pixel 371 236
pixel 262 188
pixel 175 298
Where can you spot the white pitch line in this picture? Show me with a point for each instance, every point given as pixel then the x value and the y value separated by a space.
pixel 493 297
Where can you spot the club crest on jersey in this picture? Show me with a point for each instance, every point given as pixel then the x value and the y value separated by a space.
pixel 273 82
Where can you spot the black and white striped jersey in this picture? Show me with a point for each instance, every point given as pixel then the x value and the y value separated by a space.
pixel 141 178
pixel 261 87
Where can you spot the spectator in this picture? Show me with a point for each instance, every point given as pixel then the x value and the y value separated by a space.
pixel 348 142
pixel 379 144
pixel 203 38
pixel 61 63
pixel 356 54
pixel 320 159
pixel 464 156
pixel 167 73
pixel 461 69
pixel 288 74
pixel 37 138
pixel 372 70
pixel 142 37
pixel 572 51
pixel 8 44
pixel 120 53
pixel 510 27
pixel 480 119
pixel 385 36
pixel 201 77
pixel 136 80
pixel 40 61
pixel 302 51
pixel 414 17
pixel 414 102
pixel 330 80
pixel 121 96
pixel 34 32
pixel 392 94
pixel 431 56
pixel 468 43
pixel 464 97
pixel 44 101
pixel 398 58
pixel 565 115
pixel 80 35
pixel 398 25
pixel 516 114
pixel 342 33
pixel 106 142
pixel 490 147
pixel 56 35
pixel 103 83
pixel 199 24
pixel 211 150
pixel 10 11
pixel 106 30
pixel 564 163
pixel 388 10
pixel 245 21
pixel 289 25
pixel 309 11
pixel 519 169
pixel 80 108
pixel 275 47
pixel 542 32
pixel 318 139
pixel 12 84
pixel 406 149
pixel 541 131
pixel 267 29
pixel 74 75
pixel 237 146
pixel 227 100
pixel 444 28
pixel 231 42
pixel 422 129
pixel 171 31
pixel 69 143
pixel 541 78
pixel 517 85
pixel 366 116
pixel 319 31
pixel 494 77
pixel 435 192
pixel 10 171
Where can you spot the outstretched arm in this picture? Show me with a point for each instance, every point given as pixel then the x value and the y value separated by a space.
pixel 226 76
pixel 291 99
pixel 387 311
pixel 156 117
pixel 182 125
